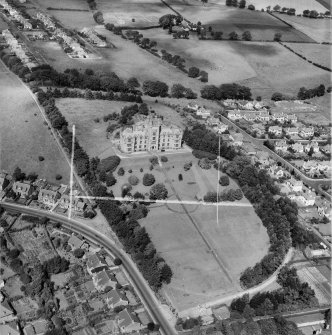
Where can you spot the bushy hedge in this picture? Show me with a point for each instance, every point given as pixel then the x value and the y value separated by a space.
pixel 204 154
pixel 109 164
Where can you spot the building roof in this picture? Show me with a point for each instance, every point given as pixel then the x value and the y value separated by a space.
pixel 104 278
pixel 95 261
pixel 114 296
pixel 21 187
pixel 9 328
pixel 125 319
pixel 75 242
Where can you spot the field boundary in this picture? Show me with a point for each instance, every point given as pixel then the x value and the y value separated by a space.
pixel 68 9
pixel 304 58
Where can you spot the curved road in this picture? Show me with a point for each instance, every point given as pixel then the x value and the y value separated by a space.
pixel 146 293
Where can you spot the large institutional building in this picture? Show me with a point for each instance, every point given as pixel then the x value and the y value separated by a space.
pixel 149 133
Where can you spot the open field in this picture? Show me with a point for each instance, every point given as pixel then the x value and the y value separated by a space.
pixel 208 266
pixel 278 70
pixel 227 19
pixel 319 29
pixel 318 53
pixel 24 136
pixel 198 277
pixel 217 58
pixel 145 13
pixel 300 6
pixel 324 105
pixel 91 134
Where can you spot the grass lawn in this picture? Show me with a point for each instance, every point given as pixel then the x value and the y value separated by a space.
pixel 91 134
pixel 318 53
pixel 319 29
pixel 13 287
pixel 198 275
pixel 278 70
pixel 24 136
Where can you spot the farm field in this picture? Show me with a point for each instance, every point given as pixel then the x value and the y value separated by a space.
pixel 24 136
pixel 144 13
pixel 319 29
pixel 324 105
pixel 318 53
pixel 278 69
pixel 91 134
pixel 300 6
pixel 217 58
pixel 226 19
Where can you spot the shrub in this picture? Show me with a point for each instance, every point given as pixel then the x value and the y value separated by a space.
pixel 193 72
pixel 41 158
pixel 110 179
pixel 125 189
pixel 224 180
pixel 121 171
pixel 164 159
pixel 78 253
pixel 109 164
pixel 158 192
pixel 251 7
pixel 154 160
pixel 138 195
pixel 204 154
pixel 133 180
pixel 58 177
pixel 148 179
pixel 130 170
pixel 187 166
pixel 180 177
pixel 151 167
pixel 117 261
pixel 204 163
pixel 141 169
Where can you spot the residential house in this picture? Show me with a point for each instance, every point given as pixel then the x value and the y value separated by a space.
pixel 234 115
pixel 326 149
pixel 230 103
pixel 307 198
pixel 220 128
pixel 115 298
pixel 200 111
pixel 276 171
pixel 263 116
pixel 249 116
pixel 291 117
pixel 307 132
pixel 249 149
pixel 103 279
pixel 295 185
pixel 226 138
pixel 213 121
pixel 297 147
pixel 276 130
pixel 96 263
pixel 314 145
pixel 292 131
pixel 237 139
pixel 10 328
pixel 75 242
pixel 48 197
pixel 22 188
pixel 128 322
pixel 4 181
pixel 281 145
pixel 258 128
pixel 263 158
pixel 77 203
pixel 324 207
pixel 280 117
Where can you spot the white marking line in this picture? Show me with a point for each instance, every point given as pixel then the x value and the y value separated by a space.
pixel 71 173
pixel 218 181
pixel 177 202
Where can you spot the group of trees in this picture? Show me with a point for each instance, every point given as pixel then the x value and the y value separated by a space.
pixel 92 4
pixel 226 91
pixel 169 20
pixel 229 195
pixel 72 78
pixel 175 60
pixel 137 242
pixel 304 93
pixel 179 91
pixel 155 88
pixel 236 3
pixel 293 295
pixel 14 64
pixel 140 40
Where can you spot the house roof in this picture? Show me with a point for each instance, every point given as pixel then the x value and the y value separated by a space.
pixel 5 309
pixel 104 277
pixel 9 328
pixel 95 261
pixel 125 319
pixel 75 242
pixel 19 187
pixel 115 296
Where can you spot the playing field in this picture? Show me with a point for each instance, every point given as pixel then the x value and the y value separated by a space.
pixel 319 29
pixel 132 12
pixel 206 256
pixel 227 19
pixel 24 136
pixel 317 53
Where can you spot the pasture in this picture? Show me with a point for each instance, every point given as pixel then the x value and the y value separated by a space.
pixel 227 19
pixel 278 70
pixel 24 136
pixel 91 134
pixel 317 53
pixel 133 13
pixel 319 29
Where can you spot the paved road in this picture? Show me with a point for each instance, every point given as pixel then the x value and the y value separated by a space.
pixel 137 279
